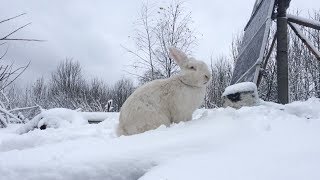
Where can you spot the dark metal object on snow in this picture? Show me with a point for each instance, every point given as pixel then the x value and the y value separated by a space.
pixel 254 43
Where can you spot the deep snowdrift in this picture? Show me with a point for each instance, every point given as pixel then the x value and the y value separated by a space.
pixel 269 141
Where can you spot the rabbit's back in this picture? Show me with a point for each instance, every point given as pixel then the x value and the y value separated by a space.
pixel 157 103
pixel 144 109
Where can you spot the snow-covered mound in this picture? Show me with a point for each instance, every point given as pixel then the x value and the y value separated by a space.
pixel 269 141
pixel 54 118
pixel 240 95
pixel 240 87
pixel 58 117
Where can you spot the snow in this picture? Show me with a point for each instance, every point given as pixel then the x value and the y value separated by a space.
pixel 54 118
pixel 67 115
pixel 264 142
pixel 10 114
pixel 240 87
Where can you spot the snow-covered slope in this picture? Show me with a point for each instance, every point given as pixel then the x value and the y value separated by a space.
pixel 269 141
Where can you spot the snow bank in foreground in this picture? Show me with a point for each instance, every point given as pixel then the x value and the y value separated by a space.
pixel 269 141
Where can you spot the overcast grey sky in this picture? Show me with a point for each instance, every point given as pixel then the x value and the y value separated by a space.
pixel 92 32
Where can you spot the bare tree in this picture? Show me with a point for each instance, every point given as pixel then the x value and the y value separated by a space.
pixel 145 40
pixel 221 72
pixel 150 75
pixel 67 84
pixel 235 46
pixel 67 88
pixel 39 93
pixel 99 96
pixel 173 29
pixel 121 91
pixel 157 30
pixel 8 72
pixel 67 78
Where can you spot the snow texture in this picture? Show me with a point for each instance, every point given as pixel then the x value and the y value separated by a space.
pixel 240 87
pixel 269 141
pixel 54 118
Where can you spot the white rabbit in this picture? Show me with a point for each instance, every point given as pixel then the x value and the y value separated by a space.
pixel 166 101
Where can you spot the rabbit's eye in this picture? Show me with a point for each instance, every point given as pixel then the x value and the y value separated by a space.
pixel 192 67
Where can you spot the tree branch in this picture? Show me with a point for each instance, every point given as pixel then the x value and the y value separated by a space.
pixel 12 18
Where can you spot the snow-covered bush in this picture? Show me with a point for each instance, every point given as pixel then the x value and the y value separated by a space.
pixel 54 118
pixel 241 94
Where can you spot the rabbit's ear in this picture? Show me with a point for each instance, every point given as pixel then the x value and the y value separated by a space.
pixel 179 56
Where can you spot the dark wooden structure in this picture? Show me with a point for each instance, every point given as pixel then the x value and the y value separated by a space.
pixel 282 52
pixel 251 61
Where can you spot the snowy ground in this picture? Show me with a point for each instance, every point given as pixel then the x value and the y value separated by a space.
pixel 266 142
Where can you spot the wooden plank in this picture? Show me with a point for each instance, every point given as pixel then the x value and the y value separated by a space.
pixel 305 41
pixel 265 62
pixel 304 21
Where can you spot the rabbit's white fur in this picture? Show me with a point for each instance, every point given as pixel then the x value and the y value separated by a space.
pixel 166 101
